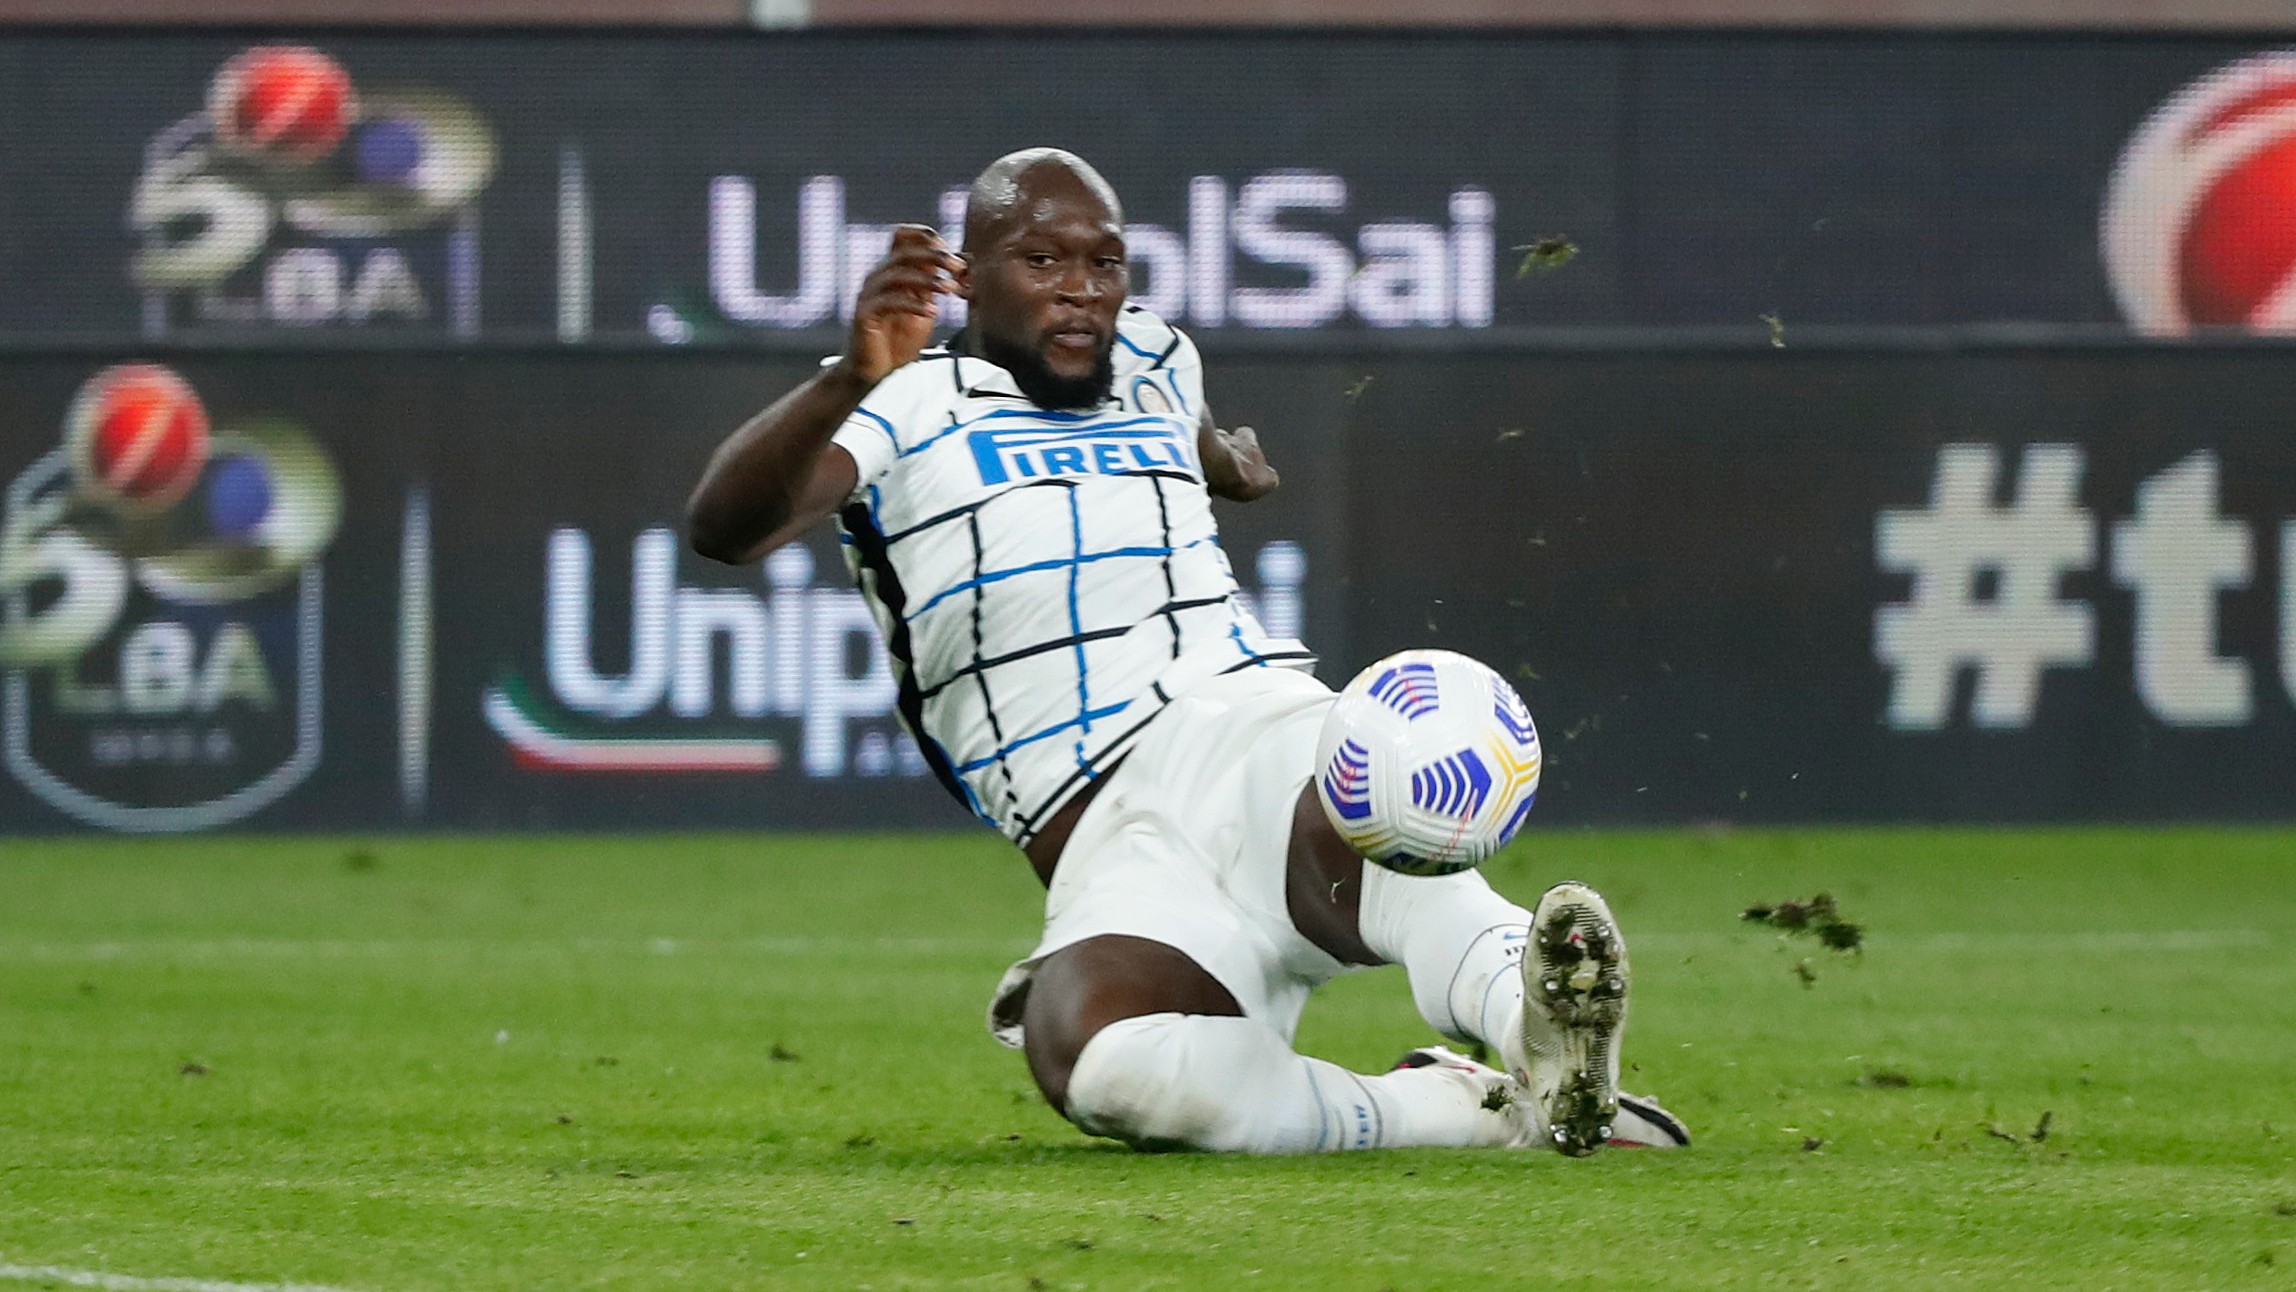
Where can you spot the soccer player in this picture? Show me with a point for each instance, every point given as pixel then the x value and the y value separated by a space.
pixel 1027 508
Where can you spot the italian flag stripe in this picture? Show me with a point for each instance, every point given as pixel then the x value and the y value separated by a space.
pixel 538 747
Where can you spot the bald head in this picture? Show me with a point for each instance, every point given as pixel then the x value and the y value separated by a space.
pixel 1046 275
pixel 1015 186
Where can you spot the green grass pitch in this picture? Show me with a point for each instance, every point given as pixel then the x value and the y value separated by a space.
pixel 720 1062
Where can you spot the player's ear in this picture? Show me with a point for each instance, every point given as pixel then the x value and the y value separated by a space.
pixel 963 276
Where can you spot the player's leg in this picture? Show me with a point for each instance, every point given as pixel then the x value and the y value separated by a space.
pixel 1554 1020
pixel 1132 1039
pixel 1460 942
pixel 1081 989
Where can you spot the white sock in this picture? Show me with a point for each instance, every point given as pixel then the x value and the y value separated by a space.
pixel 1461 943
pixel 1231 1084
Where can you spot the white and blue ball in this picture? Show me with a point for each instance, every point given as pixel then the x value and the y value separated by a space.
pixel 1428 763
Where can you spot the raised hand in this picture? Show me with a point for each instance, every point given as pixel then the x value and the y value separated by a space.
pixel 899 301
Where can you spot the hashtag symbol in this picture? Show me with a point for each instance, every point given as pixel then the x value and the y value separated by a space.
pixel 2010 632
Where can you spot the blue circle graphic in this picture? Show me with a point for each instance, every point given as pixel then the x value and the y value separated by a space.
pixel 388 149
pixel 238 495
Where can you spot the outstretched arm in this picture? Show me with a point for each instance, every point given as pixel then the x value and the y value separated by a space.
pixel 1234 466
pixel 778 475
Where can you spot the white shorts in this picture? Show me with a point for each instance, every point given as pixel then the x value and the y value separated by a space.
pixel 1186 845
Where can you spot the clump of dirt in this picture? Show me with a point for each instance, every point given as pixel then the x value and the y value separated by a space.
pixel 1546 254
pixel 1813 917
pixel 1816 917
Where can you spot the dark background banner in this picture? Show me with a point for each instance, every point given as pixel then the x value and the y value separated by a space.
pixel 648 186
pixel 2188 15
pixel 512 633
pixel 1685 560
pixel 1678 558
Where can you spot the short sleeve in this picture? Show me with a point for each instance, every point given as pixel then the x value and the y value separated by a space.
pixel 867 435
pixel 1187 369
pixel 870 439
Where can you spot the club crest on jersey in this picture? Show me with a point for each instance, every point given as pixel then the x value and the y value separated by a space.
pixel 1109 449
pixel 1149 397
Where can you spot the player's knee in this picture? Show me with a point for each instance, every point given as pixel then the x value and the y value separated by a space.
pixel 1080 991
pixel 1051 1040
pixel 1067 1006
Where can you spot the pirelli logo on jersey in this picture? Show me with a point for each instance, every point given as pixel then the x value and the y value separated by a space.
pixel 1110 449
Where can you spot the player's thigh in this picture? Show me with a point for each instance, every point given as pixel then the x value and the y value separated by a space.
pixel 1084 987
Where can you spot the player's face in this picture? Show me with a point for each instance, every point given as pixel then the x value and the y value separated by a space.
pixel 1045 295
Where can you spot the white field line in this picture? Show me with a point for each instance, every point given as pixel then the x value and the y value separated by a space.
pixel 2056 942
pixel 2060 942
pixel 2114 943
pixel 52 1274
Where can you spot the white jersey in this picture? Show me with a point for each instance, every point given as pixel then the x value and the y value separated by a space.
pixel 1047 581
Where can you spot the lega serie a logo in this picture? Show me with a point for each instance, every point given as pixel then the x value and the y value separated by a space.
pixel 2199 222
pixel 160 608
pixel 297 198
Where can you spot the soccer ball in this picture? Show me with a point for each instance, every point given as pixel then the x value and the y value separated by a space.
pixel 1428 763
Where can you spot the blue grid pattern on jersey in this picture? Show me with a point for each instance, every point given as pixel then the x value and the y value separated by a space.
pixel 1077 724
pixel 1088 710
pixel 1069 594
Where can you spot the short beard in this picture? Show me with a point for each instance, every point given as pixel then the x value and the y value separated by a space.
pixel 1046 388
